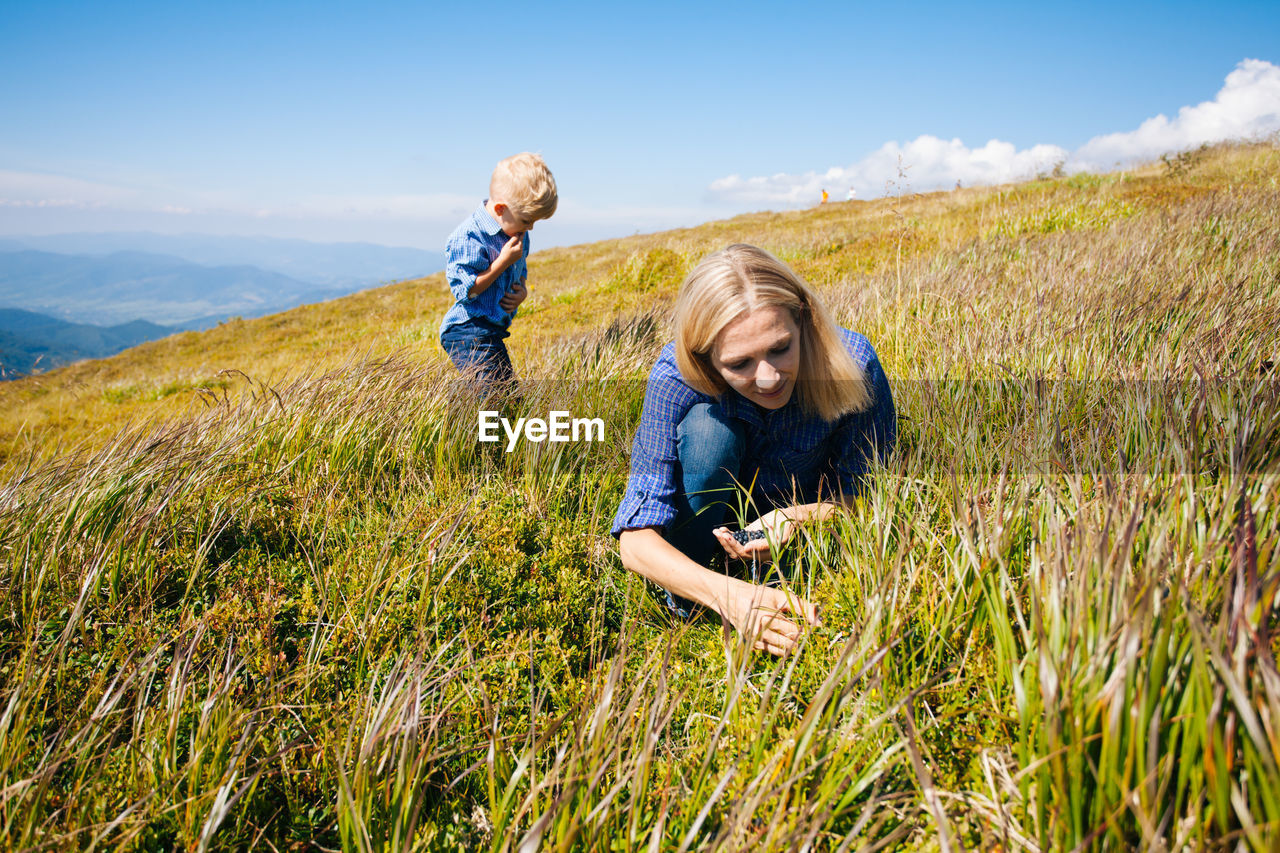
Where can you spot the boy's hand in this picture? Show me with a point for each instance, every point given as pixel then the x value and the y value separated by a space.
pixel 511 252
pixel 510 301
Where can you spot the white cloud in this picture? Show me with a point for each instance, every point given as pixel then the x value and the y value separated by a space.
pixel 922 164
pixel 33 189
pixel 1248 106
pixel 38 190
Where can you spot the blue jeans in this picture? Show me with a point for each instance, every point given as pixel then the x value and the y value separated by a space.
pixel 480 352
pixel 710 448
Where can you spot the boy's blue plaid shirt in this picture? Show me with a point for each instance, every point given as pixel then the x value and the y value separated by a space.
pixel 471 249
pixel 780 444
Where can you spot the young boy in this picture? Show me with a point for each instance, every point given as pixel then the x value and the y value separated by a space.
pixel 486 268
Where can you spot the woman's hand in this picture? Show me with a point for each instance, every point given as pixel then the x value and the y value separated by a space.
pixel 771 619
pixel 777 526
pixel 767 617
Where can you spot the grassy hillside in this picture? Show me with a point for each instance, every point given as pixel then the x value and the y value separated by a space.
pixel 296 603
pixel 840 247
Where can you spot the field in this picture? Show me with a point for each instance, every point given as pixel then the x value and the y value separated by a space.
pixel 260 586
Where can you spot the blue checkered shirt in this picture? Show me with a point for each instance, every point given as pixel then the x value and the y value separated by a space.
pixel 780 444
pixel 471 249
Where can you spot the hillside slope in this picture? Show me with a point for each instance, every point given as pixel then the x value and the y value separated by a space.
pixel 307 609
pixel 839 247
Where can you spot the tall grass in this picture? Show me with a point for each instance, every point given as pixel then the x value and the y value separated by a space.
pixel 319 613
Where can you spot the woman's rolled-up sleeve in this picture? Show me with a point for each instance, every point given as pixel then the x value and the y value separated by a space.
pixel 650 498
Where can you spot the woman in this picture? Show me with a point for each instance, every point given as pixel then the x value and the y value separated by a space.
pixel 760 388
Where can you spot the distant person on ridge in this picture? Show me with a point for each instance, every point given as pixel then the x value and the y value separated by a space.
pixel 762 401
pixel 485 266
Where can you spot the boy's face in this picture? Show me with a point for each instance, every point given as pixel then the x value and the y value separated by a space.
pixel 512 223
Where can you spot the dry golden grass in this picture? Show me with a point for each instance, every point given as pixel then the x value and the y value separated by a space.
pixel 323 615
pixel 842 248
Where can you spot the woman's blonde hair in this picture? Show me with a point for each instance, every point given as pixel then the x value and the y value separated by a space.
pixel 524 183
pixel 743 278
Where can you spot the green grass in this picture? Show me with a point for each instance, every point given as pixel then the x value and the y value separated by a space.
pixel 306 610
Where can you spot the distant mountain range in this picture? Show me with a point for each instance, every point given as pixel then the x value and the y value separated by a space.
pixel 169 282
pixel 32 342
pixel 124 286
pixel 344 266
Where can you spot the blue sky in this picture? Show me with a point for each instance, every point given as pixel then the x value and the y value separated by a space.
pixel 380 122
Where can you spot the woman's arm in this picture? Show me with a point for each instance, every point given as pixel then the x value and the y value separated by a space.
pixel 779 524
pixel 765 615
pixel 817 511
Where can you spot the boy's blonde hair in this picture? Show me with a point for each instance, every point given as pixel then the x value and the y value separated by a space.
pixel 743 278
pixel 523 183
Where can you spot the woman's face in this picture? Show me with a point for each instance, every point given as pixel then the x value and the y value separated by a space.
pixel 758 354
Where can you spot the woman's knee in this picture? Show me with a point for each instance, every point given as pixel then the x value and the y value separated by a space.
pixel 710 448
pixel 706 435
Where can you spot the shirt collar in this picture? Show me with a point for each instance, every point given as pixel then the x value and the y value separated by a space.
pixel 735 405
pixel 485 220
